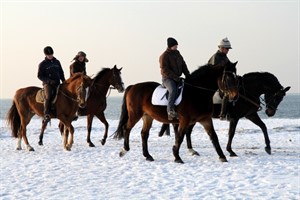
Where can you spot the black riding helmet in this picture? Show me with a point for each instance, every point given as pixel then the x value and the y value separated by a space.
pixel 48 50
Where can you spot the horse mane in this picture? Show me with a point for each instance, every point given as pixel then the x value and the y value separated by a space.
pixel 100 74
pixel 265 76
pixel 74 76
pixel 201 70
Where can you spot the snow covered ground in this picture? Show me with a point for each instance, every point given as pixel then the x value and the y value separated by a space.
pixel 99 173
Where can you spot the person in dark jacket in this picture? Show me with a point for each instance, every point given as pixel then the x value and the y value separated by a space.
pixel 79 63
pixel 50 73
pixel 172 65
pixel 220 59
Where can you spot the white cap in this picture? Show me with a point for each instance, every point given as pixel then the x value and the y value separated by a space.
pixel 225 43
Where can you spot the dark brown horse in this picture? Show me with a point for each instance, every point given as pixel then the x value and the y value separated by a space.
pixel 252 86
pixel 196 106
pixel 71 95
pixel 96 103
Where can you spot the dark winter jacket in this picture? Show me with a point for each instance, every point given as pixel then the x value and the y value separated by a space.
pixel 172 65
pixel 218 59
pixel 77 66
pixel 51 72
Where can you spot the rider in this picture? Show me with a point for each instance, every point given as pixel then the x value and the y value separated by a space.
pixel 220 59
pixel 172 65
pixel 79 63
pixel 50 72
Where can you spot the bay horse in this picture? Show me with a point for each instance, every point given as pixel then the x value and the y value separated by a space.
pixel 72 94
pixel 196 106
pixel 252 86
pixel 96 103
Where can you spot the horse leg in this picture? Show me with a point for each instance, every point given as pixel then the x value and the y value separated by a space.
pixel 209 128
pixel 71 139
pixel 126 129
pixel 61 128
pixel 65 138
pixel 164 128
pixel 89 129
pixel 44 125
pixel 178 140
pixel 23 135
pixel 231 132
pixel 256 120
pixel 102 118
pixel 145 135
pixel 189 141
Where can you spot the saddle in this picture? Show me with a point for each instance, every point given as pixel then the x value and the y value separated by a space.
pixel 160 95
pixel 40 96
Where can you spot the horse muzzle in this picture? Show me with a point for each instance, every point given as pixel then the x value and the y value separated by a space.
pixel 270 112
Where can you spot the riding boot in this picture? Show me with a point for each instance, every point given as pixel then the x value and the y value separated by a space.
pixel 46 110
pixel 224 108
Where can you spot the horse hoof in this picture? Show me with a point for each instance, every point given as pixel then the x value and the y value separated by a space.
pixel 193 152
pixel 19 148
pixel 268 150
pixel 103 142
pixel 31 149
pixel 122 152
pixel 223 160
pixel 91 144
pixel 233 155
pixel 150 158
pixel 41 143
pixel 178 160
pixel 67 148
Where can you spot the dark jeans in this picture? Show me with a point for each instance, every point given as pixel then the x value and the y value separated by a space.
pixel 171 86
pixel 49 92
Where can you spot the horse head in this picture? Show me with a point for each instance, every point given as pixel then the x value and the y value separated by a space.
pixel 81 84
pixel 273 100
pixel 116 80
pixel 228 82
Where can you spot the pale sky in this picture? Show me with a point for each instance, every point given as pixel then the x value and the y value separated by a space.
pixel 132 34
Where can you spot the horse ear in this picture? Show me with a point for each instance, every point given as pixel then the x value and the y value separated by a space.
pixel 115 66
pixel 120 69
pixel 287 89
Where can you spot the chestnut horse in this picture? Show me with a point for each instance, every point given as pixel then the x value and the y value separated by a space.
pixel 196 106
pixel 252 86
pixel 71 95
pixel 96 103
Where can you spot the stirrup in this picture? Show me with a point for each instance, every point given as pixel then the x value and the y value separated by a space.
pixel 47 118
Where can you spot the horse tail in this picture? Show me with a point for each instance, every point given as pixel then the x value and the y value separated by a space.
pixel 14 120
pixel 119 134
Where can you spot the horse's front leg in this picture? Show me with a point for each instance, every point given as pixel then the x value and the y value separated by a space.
pixel 102 118
pixel 189 141
pixel 256 120
pixel 89 129
pixel 231 132
pixel 178 140
pixel 44 125
pixel 209 128
pixel 71 138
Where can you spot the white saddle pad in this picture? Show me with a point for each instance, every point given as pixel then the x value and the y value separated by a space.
pixel 159 96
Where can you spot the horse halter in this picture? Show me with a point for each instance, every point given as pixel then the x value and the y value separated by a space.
pixel 276 99
pixel 82 91
pixel 117 84
pixel 227 86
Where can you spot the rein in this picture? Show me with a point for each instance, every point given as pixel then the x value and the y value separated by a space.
pixel 109 89
pixel 251 101
pixel 202 88
pixel 71 98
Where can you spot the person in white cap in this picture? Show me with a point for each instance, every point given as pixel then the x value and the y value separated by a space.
pixel 220 59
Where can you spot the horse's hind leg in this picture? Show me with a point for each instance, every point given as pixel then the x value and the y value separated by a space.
pixel 178 140
pixel 231 132
pixel 23 133
pixel 145 135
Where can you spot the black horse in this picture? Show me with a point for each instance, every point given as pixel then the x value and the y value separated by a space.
pixel 252 86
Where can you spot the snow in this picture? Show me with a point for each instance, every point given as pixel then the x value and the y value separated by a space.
pixel 99 173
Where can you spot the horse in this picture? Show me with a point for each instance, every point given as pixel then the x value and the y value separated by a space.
pixel 96 103
pixel 71 94
pixel 196 106
pixel 252 86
